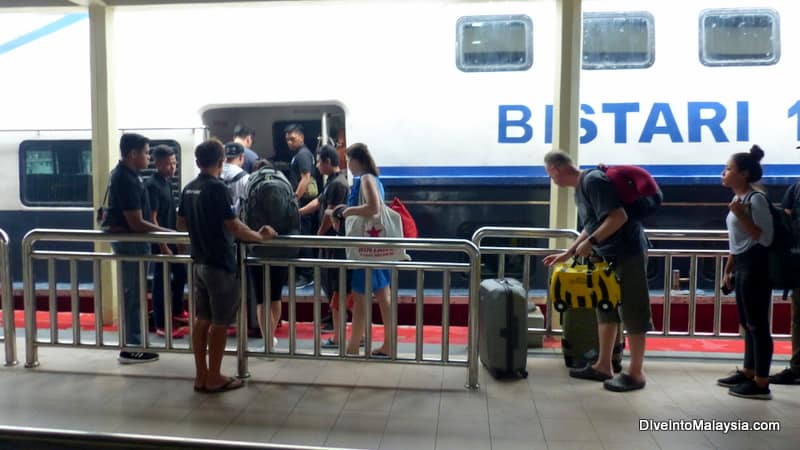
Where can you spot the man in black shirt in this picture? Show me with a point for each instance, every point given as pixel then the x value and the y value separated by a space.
pixel 791 375
pixel 608 232
pixel 333 194
pixel 163 210
pixel 128 211
pixel 304 181
pixel 206 211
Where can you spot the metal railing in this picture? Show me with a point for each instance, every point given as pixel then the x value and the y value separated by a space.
pixel 420 268
pixel 446 268
pixel 669 255
pixel 29 254
pixel 9 329
pixel 526 253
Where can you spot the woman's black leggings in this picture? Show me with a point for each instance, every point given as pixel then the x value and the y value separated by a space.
pixel 753 297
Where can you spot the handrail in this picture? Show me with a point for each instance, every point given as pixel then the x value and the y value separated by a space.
pixel 432 245
pixel 686 235
pixel 694 255
pixel 93 236
pixel 523 233
pixel 9 328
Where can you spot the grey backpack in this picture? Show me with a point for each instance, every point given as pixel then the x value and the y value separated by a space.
pixel 270 201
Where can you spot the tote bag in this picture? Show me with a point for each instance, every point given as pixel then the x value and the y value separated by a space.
pixel 386 224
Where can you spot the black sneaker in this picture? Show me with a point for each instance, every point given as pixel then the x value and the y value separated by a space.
pixel 787 376
pixel 738 377
pixel 749 389
pixel 137 357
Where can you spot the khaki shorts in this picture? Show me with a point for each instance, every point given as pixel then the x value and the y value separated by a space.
pixel 635 307
pixel 216 294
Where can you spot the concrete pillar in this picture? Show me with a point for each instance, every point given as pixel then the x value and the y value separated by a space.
pixel 569 21
pixel 105 138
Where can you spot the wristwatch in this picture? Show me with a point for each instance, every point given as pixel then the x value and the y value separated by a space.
pixel 593 240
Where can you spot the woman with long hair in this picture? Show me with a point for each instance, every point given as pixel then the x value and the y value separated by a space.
pixel 365 199
pixel 750 232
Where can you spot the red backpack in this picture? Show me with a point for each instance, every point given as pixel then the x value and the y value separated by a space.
pixel 636 188
pixel 409 225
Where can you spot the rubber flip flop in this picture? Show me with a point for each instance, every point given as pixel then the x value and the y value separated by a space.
pixel 379 354
pixel 231 384
pixel 623 383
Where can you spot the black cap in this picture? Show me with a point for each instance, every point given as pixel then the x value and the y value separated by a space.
pixel 233 149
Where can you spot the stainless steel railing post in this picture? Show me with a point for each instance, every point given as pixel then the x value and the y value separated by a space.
pixel 241 330
pixel 9 328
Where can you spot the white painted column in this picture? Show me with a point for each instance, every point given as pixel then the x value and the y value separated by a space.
pixel 105 137
pixel 563 212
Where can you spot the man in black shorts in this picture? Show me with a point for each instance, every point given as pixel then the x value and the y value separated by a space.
pixel 206 211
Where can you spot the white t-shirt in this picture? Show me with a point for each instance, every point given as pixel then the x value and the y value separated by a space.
pixel 238 188
pixel 757 207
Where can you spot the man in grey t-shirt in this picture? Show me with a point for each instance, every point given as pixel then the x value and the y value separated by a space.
pixel 608 232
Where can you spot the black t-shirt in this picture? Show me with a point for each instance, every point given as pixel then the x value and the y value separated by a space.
pixel 596 198
pixel 302 162
pixel 334 193
pixel 126 192
pixel 159 191
pixel 206 204
pixel 791 199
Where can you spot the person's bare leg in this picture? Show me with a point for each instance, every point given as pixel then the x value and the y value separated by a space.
pixel 384 303
pixel 261 320
pixel 636 367
pixel 217 337
pixel 199 348
pixel 275 315
pixel 335 321
pixel 357 328
pixel 607 335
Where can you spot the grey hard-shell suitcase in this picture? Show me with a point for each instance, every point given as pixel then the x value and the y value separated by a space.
pixel 579 342
pixel 503 328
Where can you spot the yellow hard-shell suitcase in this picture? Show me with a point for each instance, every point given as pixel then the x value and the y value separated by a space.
pixel 590 285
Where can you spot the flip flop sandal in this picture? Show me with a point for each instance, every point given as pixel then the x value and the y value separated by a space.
pixel 379 354
pixel 231 384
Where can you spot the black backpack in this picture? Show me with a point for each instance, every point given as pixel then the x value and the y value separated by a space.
pixel 270 201
pixel 784 252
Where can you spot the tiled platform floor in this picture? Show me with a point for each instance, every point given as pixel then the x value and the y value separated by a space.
pixel 359 405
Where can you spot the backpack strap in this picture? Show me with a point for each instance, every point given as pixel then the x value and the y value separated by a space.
pixel 235 178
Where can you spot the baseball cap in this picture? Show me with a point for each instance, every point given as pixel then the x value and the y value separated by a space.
pixel 233 149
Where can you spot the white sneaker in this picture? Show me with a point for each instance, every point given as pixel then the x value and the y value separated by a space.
pixel 274 341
